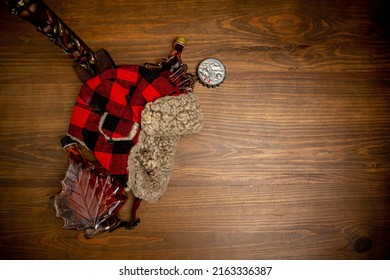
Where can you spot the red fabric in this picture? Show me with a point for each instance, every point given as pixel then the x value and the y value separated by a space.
pixel 122 94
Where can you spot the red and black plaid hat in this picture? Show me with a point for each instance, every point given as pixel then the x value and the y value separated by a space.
pixel 107 114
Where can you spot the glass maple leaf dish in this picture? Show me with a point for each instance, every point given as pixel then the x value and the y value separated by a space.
pixel 90 199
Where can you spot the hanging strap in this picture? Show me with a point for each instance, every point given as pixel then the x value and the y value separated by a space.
pixel 134 220
pixel 129 225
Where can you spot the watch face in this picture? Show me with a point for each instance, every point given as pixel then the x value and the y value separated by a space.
pixel 211 72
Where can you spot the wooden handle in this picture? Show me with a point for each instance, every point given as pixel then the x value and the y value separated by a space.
pixel 50 25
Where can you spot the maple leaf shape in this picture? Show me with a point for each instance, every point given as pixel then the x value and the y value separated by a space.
pixel 89 200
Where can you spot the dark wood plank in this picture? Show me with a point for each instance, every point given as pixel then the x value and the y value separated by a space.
pixel 293 160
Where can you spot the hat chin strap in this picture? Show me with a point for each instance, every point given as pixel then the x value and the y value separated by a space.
pixel 129 225
pixel 134 220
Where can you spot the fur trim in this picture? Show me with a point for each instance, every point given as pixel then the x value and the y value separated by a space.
pixel 151 160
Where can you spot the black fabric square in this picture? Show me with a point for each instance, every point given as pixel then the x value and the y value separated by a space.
pixel 90 138
pixel 147 74
pixel 98 101
pixel 130 94
pixel 111 122
pixel 122 147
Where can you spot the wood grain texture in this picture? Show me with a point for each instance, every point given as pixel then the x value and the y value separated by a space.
pixel 293 160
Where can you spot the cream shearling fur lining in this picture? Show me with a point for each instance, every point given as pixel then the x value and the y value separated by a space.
pixel 151 160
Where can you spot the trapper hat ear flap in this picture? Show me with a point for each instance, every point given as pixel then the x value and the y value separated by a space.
pixel 152 159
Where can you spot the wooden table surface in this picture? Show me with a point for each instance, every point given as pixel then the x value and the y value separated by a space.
pixel 293 159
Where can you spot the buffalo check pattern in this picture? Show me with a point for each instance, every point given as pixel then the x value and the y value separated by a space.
pixel 107 108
